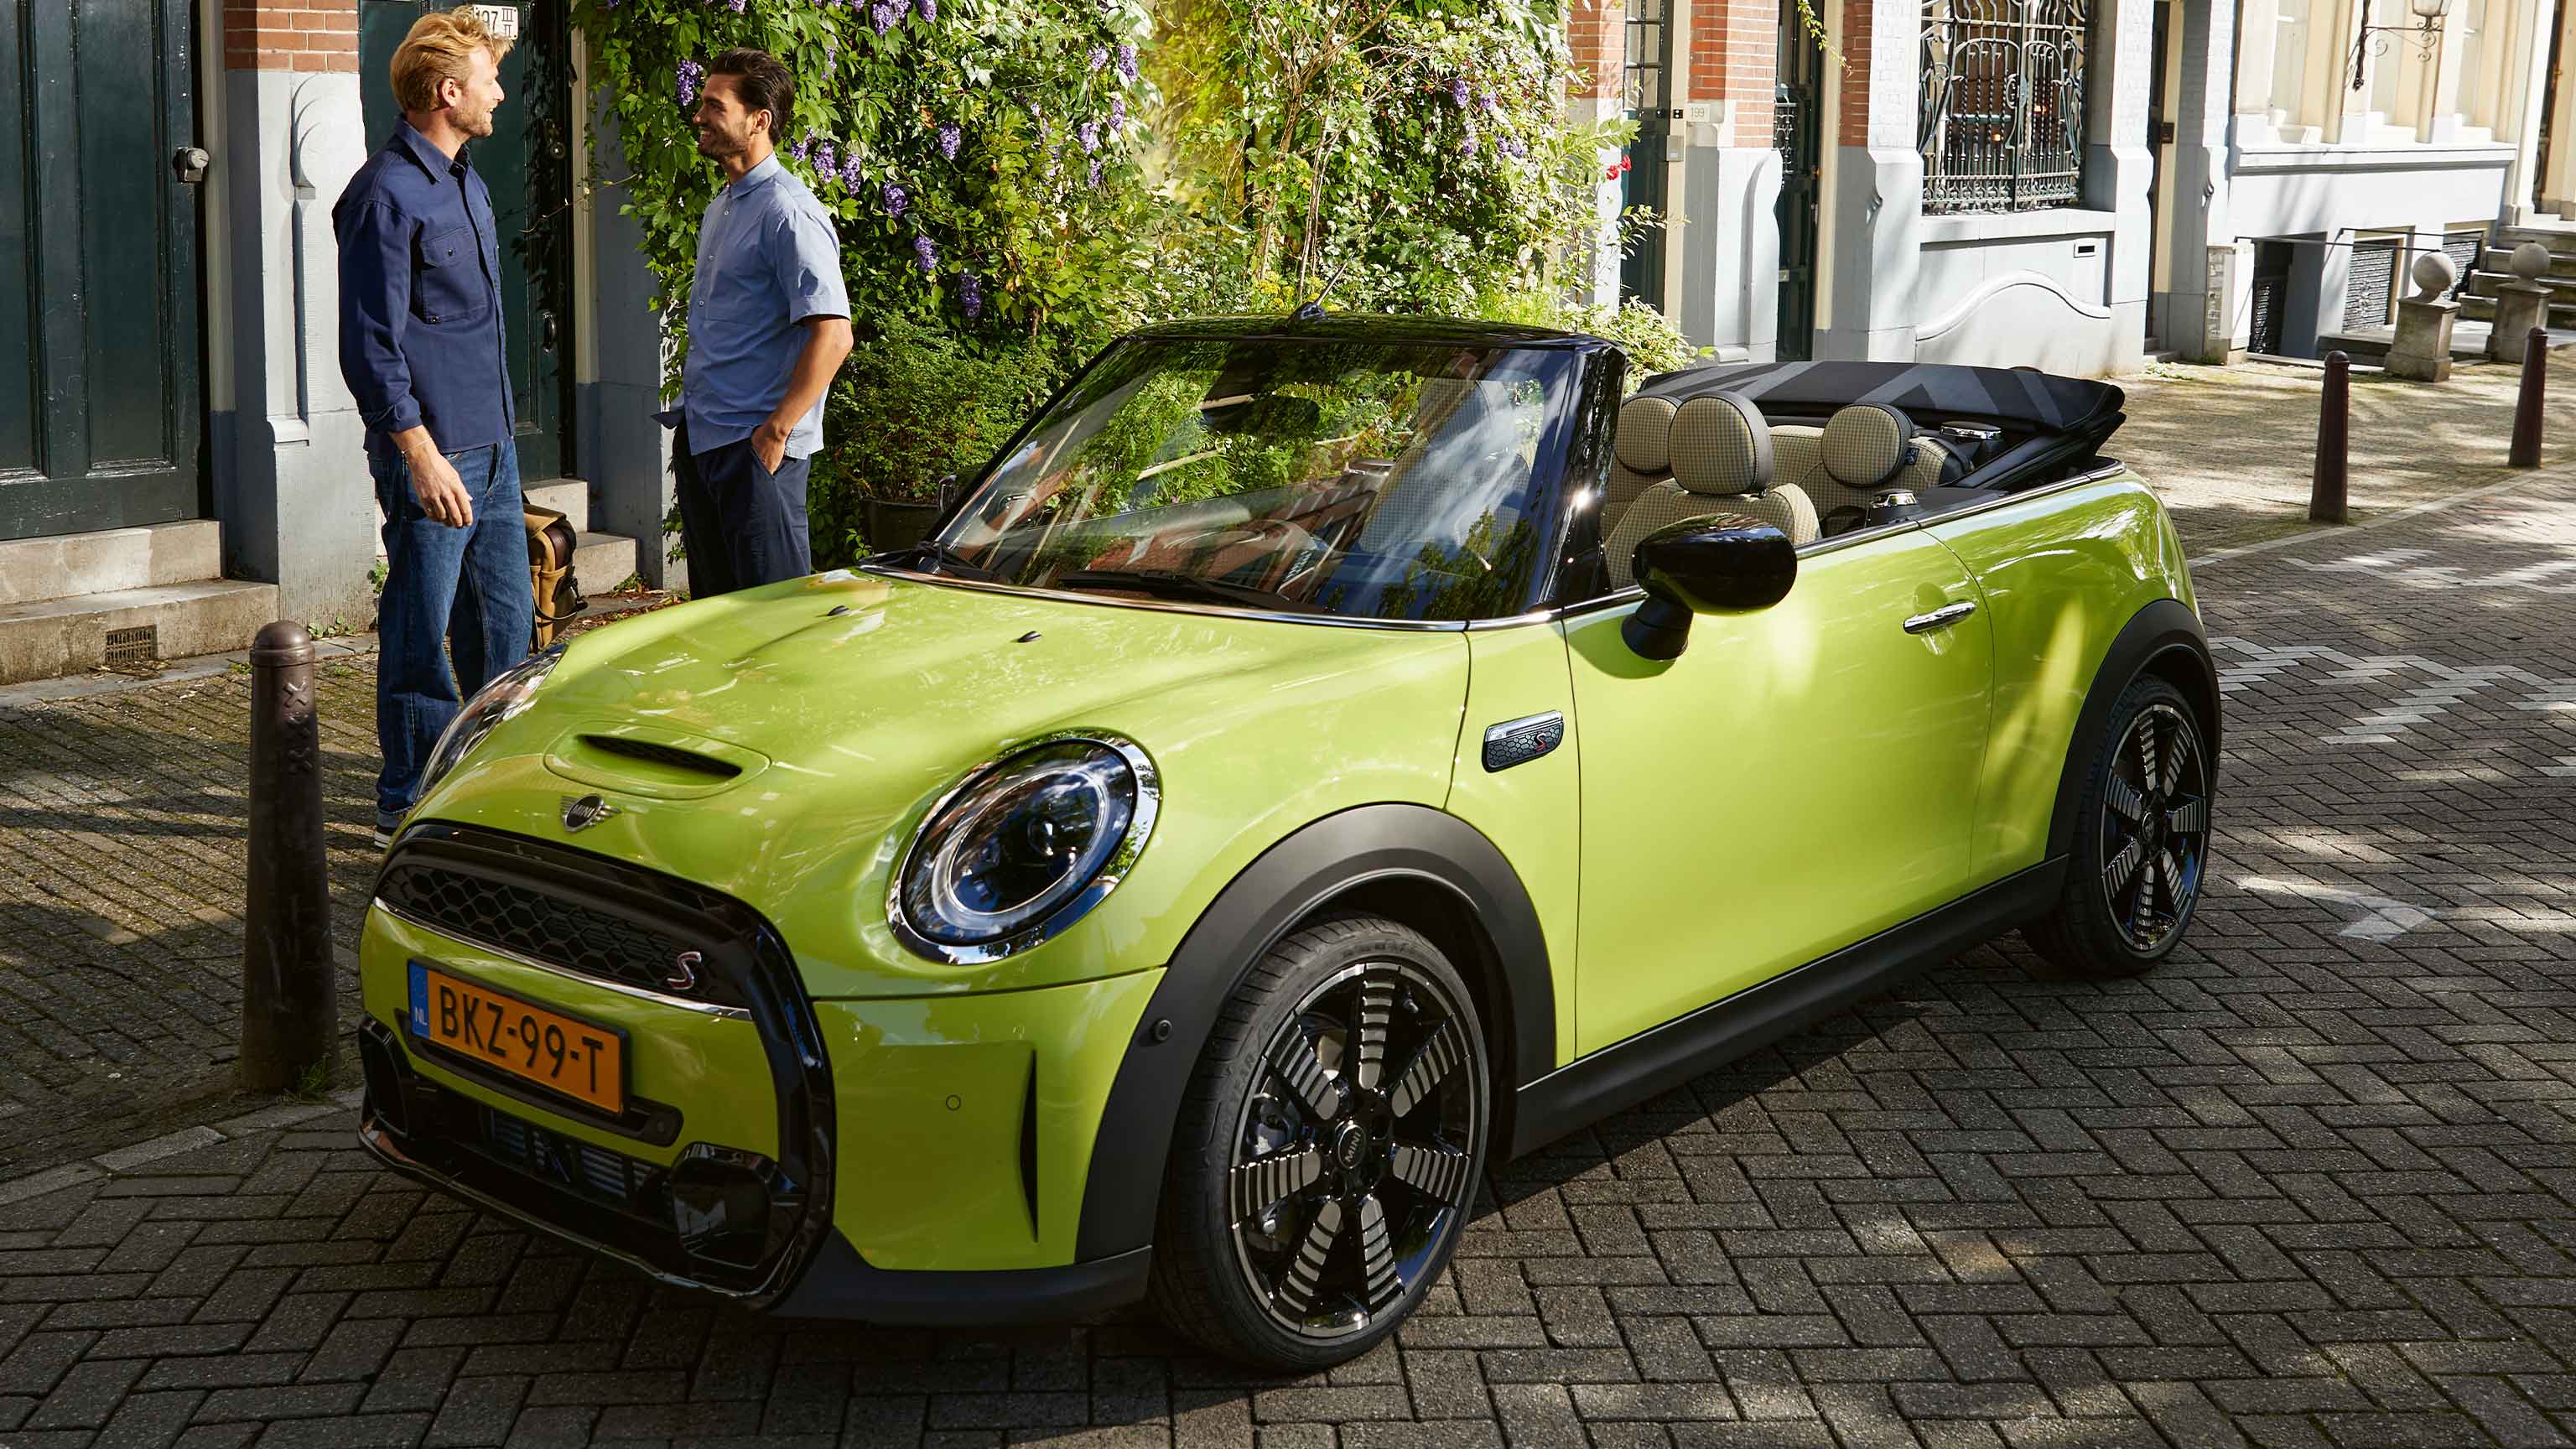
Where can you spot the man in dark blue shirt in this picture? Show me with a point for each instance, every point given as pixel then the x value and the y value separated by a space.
pixel 421 349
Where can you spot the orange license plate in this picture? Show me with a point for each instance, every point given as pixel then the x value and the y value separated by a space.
pixel 579 1059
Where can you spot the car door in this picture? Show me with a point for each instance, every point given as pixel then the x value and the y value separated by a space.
pixel 1802 777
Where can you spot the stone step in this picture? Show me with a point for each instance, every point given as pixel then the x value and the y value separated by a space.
pixel 602 561
pixel 2499 260
pixel 49 638
pixel 2558 239
pixel 2484 284
pixel 2483 309
pixel 567 496
pixel 68 565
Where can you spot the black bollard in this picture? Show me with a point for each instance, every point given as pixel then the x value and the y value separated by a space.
pixel 2526 403
pixel 2326 488
pixel 290 990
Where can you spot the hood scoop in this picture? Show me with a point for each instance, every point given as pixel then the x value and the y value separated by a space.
pixel 672 757
pixel 641 759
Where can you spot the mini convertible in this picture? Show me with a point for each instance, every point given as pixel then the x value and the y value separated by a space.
pixel 1317 759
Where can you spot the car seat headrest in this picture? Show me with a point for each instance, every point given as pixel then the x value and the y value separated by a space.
pixel 1721 446
pixel 1644 440
pixel 1866 443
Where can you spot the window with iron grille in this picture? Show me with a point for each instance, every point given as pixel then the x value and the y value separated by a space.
pixel 2370 300
pixel 2003 104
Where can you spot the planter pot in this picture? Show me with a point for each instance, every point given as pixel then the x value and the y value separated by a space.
pixel 893 523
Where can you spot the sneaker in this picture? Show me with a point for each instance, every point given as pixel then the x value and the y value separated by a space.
pixel 386 827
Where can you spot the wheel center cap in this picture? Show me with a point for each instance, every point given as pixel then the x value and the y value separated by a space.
pixel 1350 1146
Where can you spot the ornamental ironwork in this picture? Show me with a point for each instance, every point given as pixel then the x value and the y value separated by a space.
pixel 2003 104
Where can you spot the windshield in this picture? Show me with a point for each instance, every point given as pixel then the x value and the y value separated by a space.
pixel 1398 480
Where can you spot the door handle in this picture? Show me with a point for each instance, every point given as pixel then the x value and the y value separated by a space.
pixel 189 164
pixel 1941 618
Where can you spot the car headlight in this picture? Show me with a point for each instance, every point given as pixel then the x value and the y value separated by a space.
pixel 493 703
pixel 1023 847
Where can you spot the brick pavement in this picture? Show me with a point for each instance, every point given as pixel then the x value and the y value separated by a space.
pixel 2312 1183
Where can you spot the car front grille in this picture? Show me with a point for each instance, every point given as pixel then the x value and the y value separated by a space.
pixel 554 930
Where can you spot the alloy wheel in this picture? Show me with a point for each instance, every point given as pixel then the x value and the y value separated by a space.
pixel 1353 1151
pixel 2155 826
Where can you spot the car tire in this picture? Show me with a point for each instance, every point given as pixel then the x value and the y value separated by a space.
pixel 2141 839
pixel 1348 1076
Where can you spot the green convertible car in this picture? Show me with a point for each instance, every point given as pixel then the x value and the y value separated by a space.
pixel 1318 759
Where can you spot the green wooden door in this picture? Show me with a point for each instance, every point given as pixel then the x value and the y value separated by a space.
pixel 526 163
pixel 100 407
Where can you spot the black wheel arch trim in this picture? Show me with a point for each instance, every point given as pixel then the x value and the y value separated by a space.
pixel 1362 846
pixel 2163 631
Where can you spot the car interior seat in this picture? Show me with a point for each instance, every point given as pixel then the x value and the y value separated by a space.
pixel 1867 449
pixel 1641 455
pixel 1722 464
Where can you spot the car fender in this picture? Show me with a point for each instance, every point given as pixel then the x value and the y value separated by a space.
pixel 2162 632
pixel 1365 845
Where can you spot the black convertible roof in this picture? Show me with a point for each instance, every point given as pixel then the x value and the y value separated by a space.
pixel 1927 391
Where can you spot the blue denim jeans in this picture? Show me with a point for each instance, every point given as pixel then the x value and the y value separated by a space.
pixel 449 590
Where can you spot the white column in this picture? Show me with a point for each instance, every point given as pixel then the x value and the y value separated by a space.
pixel 2118 165
pixel 297 504
pixel 1878 196
pixel 2201 320
pixel 2525 68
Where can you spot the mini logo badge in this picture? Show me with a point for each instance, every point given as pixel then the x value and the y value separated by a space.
pixel 585 812
pixel 683 975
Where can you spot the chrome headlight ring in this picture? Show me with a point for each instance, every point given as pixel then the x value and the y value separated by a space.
pixel 964 820
pixel 506 695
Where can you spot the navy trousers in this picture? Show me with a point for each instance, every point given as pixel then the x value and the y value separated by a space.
pixel 743 525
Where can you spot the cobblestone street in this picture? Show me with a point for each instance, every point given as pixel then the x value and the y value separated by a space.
pixel 2312 1183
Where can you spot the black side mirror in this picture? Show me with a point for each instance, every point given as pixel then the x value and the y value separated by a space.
pixel 1705 566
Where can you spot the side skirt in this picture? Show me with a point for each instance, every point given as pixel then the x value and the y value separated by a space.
pixel 1664 1057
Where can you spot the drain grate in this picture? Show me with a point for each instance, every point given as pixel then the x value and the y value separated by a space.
pixel 138 648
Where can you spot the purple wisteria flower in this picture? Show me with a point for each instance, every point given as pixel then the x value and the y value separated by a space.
pixel 1515 146
pixel 1117 115
pixel 1458 93
pixel 925 254
pixel 1099 56
pixel 927 9
pixel 883 15
pixel 1095 172
pixel 853 175
pixel 970 295
pixel 827 160
pixel 1488 102
pixel 896 199
pixel 1127 62
pixel 691 76
pixel 950 138
pixel 1088 134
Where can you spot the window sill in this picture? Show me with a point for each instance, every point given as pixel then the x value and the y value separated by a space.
pixel 2404 156
pixel 1983 226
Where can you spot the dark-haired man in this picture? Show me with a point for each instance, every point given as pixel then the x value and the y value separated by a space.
pixel 769 323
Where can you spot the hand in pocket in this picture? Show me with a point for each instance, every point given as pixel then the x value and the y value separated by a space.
pixel 439 491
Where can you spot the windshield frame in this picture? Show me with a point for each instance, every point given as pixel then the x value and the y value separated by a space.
pixel 1565 476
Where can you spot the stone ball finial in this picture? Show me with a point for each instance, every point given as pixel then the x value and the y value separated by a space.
pixel 2529 260
pixel 2434 274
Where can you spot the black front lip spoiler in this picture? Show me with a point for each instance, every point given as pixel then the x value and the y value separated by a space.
pixel 837 1282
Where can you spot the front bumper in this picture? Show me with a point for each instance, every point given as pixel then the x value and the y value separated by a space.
pixel 902 1161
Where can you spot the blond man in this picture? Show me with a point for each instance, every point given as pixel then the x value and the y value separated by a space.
pixel 421 348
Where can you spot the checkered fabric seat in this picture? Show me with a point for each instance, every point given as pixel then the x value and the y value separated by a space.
pixel 1641 456
pixel 1866 449
pixel 1722 464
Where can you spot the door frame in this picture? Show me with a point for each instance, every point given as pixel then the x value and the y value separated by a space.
pixel 64 488
pixel 1797 133
pixel 1648 181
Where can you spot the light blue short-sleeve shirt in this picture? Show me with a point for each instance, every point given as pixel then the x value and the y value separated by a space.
pixel 768 259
